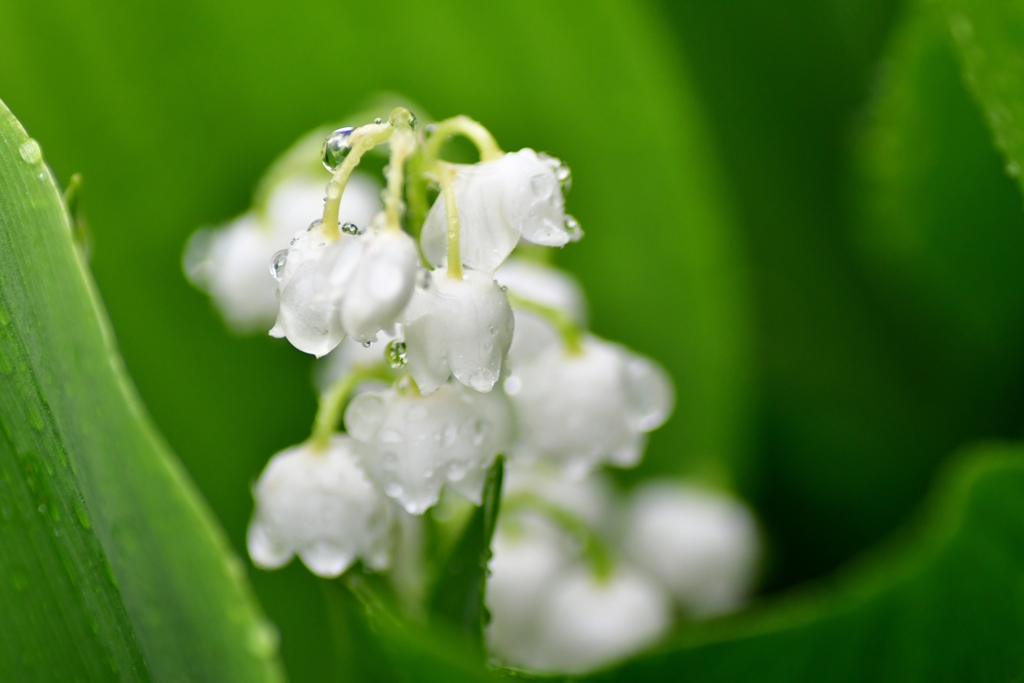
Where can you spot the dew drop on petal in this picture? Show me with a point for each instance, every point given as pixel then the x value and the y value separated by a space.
pixel 572 226
pixel 336 148
pixel 481 379
pixel 395 352
pixel 351 229
pixel 456 471
pixel 277 263
pixel 394 490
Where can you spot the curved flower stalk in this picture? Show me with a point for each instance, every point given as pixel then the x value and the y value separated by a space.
pixel 230 263
pixel 702 546
pixel 320 505
pixel 595 405
pixel 415 444
pixel 515 196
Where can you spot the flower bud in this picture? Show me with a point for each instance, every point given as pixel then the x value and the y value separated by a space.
pixel 701 545
pixel 321 506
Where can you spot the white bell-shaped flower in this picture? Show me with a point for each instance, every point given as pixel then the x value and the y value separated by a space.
pixel 586 621
pixel 516 196
pixel 457 327
pixel 417 444
pixel 549 287
pixel 582 409
pixel 321 506
pixel 528 555
pixel 702 546
pixel 231 263
pixel 356 285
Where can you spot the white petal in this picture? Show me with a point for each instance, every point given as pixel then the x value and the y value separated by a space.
pixel 586 622
pixel 458 327
pixel 702 545
pixel 381 286
pixel 320 505
pixel 592 499
pixel 307 316
pixel 417 444
pixel 499 202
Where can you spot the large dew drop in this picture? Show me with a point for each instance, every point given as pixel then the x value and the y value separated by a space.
pixel 336 148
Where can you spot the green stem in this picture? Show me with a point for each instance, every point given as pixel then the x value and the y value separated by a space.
pixel 403 144
pixel 333 402
pixel 446 176
pixel 595 551
pixel 571 333
pixel 462 125
pixel 363 140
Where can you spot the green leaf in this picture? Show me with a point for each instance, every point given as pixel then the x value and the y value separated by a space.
pixel 112 567
pixel 458 593
pixel 943 602
pixel 372 644
pixel 990 41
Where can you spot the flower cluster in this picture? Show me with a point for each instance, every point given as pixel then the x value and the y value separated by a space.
pixel 448 340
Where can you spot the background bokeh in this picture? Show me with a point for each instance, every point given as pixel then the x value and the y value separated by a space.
pixel 837 319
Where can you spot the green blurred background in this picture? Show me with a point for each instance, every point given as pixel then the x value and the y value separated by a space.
pixel 793 206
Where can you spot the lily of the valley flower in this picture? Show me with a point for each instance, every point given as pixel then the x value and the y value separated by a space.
pixel 517 196
pixel 321 506
pixel 459 327
pixel 230 263
pixel 580 409
pixel 549 287
pixel 417 444
pixel 356 285
pixel 586 621
pixel 703 546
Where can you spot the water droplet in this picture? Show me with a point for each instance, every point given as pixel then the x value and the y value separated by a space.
pixel 423 278
pixel 504 288
pixel 395 353
pixel 402 116
pixel 430 128
pixel 572 226
pixel 393 490
pixel 378 120
pixel 493 330
pixel 336 148
pixel 456 471
pixel 277 264
pixel 390 436
pixel 367 344
pixel 31 151
pixel 542 186
pixel 563 174
pixel 488 345
pixel 481 379
pixel 351 229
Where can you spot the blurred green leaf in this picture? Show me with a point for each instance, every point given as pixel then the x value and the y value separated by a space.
pixel 373 644
pixel 990 41
pixel 458 593
pixel 112 567
pixel 944 602
pixel 173 110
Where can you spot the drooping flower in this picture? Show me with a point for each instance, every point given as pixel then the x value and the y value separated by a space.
pixel 356 285
pixel 516 196
pixel 592 500
pixel 526 558
pixel 415 444
pixel 586 621
pixel 544 285
pixel 231 263
pixel 701 545
pixel 582 409
pixel 321 506
pixel 457 327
